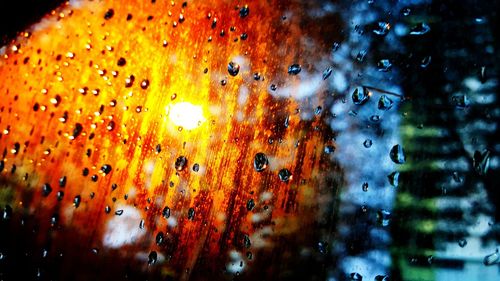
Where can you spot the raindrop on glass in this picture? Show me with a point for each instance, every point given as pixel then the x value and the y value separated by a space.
pixel 383 217
pixel 384 65
pixel 355 277
pixel 462 243
pixel 260 162
pixel 393 179
pixel 244 11
pixel 420 29
pixel 285 175
pixel 397 154
pixel 481 161
pixel 191 214
pixel 367 143
pixel 233 68
pixel 492 259
pixel 166 212
pixel 152 258
pixel 385 103
pixel 77 200
pixel 329 149
pixel 46 189
pixel 250 204
pixel 382 28
pixel 365 186
pixel 327 72
pixel 106 169
pixel 360 95
pixel 294 69
pixel 180 163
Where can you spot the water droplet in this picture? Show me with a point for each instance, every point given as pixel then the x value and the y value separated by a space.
pixel 367 143
pixel 107 209
pixel 384 217
pixel 382 278
pixel 246 241
pixel 361 55
pixel 294 69
pixel 375 118
pixel 335 46
pixel 384 65
pixel 360 95
pixel 420 29
pixel 144 84
pixel 318 110
pixel 355 276
pixel 323 247
pixel 327 72
pixel 397 154
pixel 382 28
pixel 109 14
pixel 166 212
pixel 273 87
pixel 365 186
pixel 406 11
pixel 46 189
pixel 233 68
pixel 7 212
pixel 142 224
pixel 191 214
pixel 106 169
pixel 60 195
pixel 492 259
pixel 481 161
pixel 129 81
pixel 152 258
pixel 285 175
pixel 54 220
pixel 119 212
pixel 180 163
pixel 244 11
pixel 62 182
pixel 393 178
pixel 110 126
pixel 462 243
pixel 425 62
pixel 250 204
pixel 121 62
pixel 76 201
pixel 196 167
pixel 329 149
pixel 260 162
pixel 160 237
pixel 385 103
pixel 77 130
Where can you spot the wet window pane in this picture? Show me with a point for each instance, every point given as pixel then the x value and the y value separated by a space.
pixel 257 140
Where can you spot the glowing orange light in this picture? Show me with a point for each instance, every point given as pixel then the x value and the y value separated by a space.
pixel 186 115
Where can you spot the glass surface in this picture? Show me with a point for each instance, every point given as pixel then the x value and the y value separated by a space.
pixel 257 140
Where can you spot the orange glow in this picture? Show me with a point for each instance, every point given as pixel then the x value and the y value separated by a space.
pixel 186 115
pixel 70 104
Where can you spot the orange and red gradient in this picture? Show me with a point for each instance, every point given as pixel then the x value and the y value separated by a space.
pixel 112 111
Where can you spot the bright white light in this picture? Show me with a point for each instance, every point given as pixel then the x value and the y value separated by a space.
pixel 186 115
